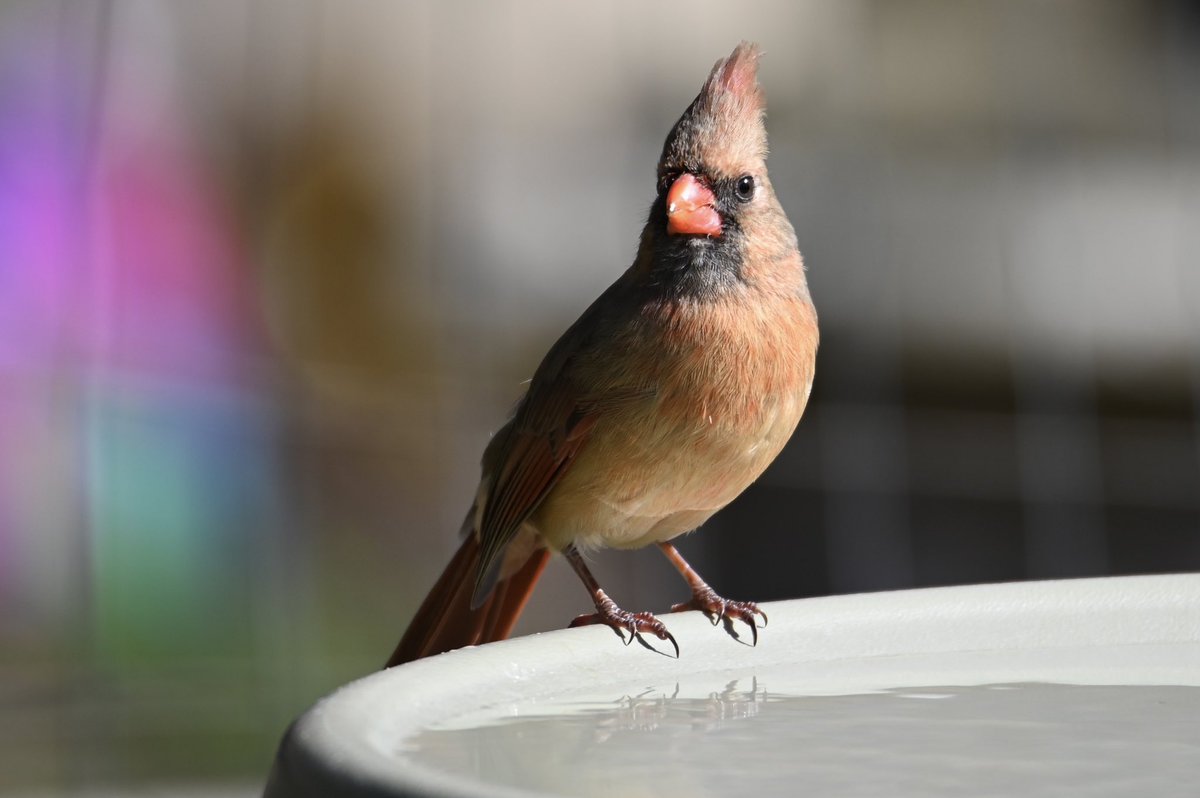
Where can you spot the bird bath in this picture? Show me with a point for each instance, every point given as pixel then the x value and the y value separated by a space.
pixel 1045 688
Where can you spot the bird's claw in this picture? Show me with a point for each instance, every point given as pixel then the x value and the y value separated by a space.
pixel 718 610
pixel 636 623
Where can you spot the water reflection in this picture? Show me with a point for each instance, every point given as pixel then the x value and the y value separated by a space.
pixel 744 739
pixel 650 709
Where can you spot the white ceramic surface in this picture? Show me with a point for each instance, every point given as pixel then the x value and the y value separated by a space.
pixel 373 737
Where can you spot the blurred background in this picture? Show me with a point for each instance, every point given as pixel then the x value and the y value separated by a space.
pixel 271 272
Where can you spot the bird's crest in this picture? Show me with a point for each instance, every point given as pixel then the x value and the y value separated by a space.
pixel 723 127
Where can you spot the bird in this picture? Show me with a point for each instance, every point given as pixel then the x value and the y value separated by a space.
pixel 666 399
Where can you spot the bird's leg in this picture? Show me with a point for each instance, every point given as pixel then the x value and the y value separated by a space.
pixel 705 599
pixel 609 614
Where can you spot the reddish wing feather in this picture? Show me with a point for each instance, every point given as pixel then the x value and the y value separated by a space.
pixel 550 427
pixel 547 433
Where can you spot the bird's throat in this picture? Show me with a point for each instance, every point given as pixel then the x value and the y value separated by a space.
pixel 696 267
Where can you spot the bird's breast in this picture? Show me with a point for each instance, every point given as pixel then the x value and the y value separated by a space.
pixel 722 387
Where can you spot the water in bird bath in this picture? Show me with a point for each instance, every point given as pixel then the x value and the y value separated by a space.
pixel 745 736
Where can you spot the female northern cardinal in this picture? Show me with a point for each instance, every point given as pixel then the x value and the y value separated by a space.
pixel 662 403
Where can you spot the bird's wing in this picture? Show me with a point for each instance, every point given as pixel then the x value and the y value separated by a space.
pixel 537 448
pixel 551 426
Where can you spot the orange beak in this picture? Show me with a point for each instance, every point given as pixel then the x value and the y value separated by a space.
pixel 690 208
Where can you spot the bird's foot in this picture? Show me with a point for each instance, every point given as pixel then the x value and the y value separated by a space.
pixel 621 621
pixel 721 610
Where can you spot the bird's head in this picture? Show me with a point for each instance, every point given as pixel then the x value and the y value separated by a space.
pixel 715 203
pixel 717 150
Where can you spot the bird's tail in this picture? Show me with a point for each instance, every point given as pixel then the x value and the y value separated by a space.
pixel 446 619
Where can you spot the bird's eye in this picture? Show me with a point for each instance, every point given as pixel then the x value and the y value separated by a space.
pixel 745 188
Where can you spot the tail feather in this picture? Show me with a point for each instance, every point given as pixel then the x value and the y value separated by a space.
pixel 445 619
pixel 516 592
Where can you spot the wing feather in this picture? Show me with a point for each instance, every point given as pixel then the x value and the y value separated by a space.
pixel 567 396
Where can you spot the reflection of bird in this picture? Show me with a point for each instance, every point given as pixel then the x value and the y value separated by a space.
pixel 662 403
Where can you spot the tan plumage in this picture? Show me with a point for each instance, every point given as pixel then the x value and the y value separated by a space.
pixel 663 402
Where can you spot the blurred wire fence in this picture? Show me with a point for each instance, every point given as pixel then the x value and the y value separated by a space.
pixel 271 272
